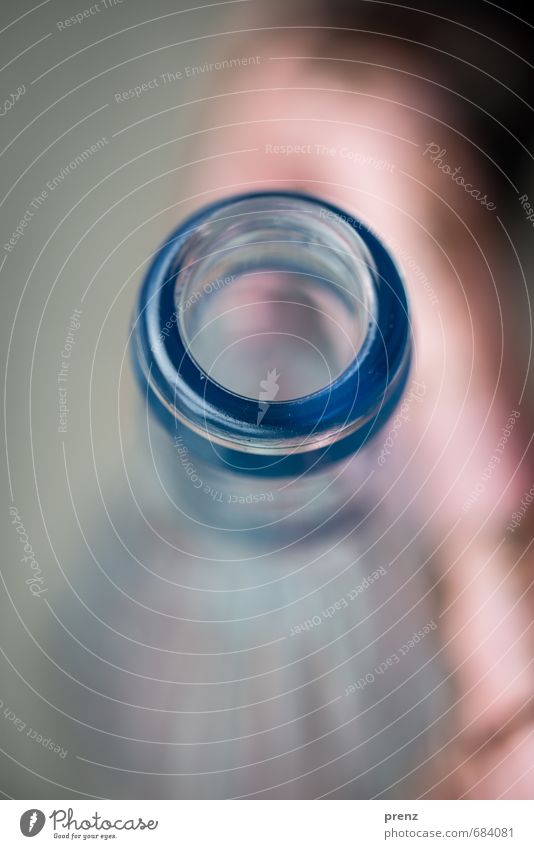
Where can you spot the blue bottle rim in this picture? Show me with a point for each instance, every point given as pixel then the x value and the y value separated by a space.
pixel 308 431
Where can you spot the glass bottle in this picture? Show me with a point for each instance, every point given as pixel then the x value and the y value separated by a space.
pixel 272 342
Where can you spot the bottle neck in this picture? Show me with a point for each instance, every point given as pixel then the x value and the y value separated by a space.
pixel 246 509
pixel 272 338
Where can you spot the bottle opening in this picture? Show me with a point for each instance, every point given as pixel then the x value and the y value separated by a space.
pixel 273 333
pixel 275 299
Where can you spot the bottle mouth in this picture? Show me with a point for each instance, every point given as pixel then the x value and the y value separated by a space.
pixel 275 300
pixel 273 329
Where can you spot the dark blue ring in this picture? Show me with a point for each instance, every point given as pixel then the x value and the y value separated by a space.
pixel 367 391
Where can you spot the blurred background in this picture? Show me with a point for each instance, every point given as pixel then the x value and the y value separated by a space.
pixel 129 667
